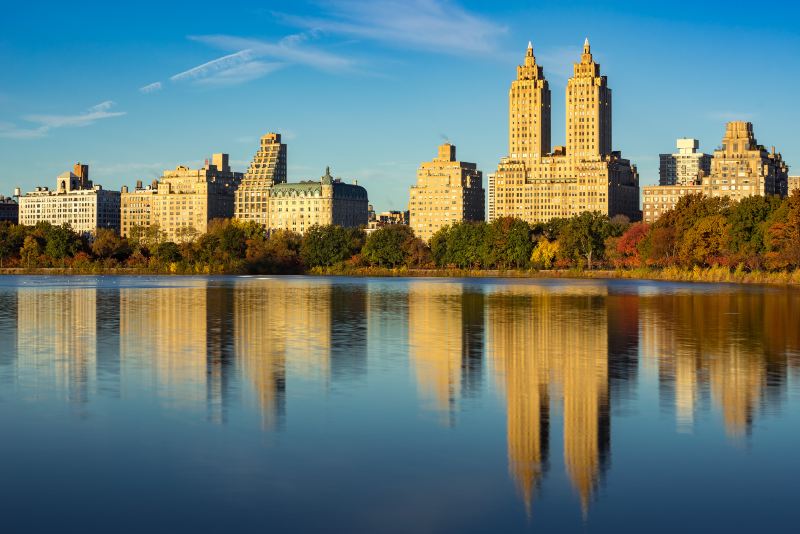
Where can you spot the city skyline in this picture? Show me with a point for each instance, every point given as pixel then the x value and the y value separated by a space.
pixel 337 81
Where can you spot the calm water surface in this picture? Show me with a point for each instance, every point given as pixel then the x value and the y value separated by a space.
pixel 383 405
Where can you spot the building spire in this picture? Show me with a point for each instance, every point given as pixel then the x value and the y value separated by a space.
pixel 586 48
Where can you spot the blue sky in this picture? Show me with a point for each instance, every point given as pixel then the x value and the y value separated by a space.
pixel 371 87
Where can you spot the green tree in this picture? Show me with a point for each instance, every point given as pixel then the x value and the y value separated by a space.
pixel 328 245
pixel 584 236
pixel 394 245
pixel 168 252
pixel 746 220
pixel 107 244
pixel 283 249
pixel 61 242
pixel 30 252
pixel 508 243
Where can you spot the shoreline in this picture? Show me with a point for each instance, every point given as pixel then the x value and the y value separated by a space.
pixel 719 275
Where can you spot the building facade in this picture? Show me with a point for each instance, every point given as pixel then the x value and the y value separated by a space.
pixel 794 183
pixel 536 183
pixel 267 168
pixel 9 210
pixel 137 208
pixel 299 206
pixel 490 191
pixel 184 200
pixel 385 218
pixel 686 167
pixel 447 191
pixel 75 201
pixel 659 199
pixel 739 168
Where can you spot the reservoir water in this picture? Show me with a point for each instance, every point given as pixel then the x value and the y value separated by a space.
pixel 299 404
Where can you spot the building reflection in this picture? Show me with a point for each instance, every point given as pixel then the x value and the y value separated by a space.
pixel 445 338
pixel 732 348
pixel 552 349
pixel 564 355
pixel 57 338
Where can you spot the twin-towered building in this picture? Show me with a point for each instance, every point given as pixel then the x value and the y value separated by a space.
pixel 537 182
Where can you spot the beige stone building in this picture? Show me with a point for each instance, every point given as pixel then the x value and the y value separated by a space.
pixel 447 191
pixel 75 201
pixel 685 167
pixel 536 183
pixel 299 206
pixel 739 168
pixel 267 168
pixel 742 167
pixel 794 183
pixel 185 199
pixel 659 199
pixel 137 207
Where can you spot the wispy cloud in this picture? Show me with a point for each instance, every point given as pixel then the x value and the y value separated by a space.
pixel 250 59
pixel 151 88
pixel 45 123
pixel 431 25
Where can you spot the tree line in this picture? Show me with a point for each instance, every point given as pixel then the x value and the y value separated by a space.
pixel 754 234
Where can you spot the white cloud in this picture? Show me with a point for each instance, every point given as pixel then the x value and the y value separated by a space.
pixel 50 122
pixel 430 25
pixel 92 115
pixel 247 59
pixel 151 88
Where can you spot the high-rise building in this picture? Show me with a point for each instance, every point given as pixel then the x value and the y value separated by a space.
pixel 137 207
pixel 267 168
pixel 299 206
pixel 739 168
pixel 742 167
pixel 536 184
pixel 686 167
pixel 9 210
pixel 529 110
pixel 75 201
pixel 490 191
pixel 185 200
pixel 447 191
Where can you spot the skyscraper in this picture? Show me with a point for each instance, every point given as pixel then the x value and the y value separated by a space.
pixel 447 191
pixel 686 167
pixel 267 169
pixel 739 168
pixel 536 183
pixel 529 110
